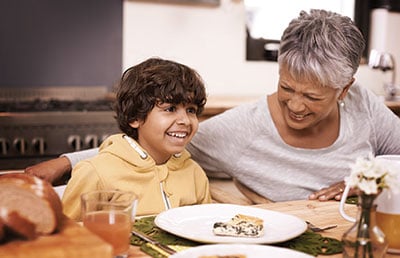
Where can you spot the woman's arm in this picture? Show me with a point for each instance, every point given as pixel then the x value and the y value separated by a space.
pixel 58 170
pixel 53 171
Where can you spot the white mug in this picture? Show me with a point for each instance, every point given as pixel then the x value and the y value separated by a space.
pixel 388 207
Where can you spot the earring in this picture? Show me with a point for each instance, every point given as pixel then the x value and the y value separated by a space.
pixel 341 103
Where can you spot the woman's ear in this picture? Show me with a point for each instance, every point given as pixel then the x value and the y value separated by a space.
pixel 346 88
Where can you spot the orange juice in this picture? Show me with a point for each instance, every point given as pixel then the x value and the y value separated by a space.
pixel 390 225
pixel 112 226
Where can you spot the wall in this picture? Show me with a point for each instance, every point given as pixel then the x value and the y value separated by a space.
pixel 384 36
pixel 211 40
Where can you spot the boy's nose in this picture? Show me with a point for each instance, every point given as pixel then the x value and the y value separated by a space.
pixel 182 118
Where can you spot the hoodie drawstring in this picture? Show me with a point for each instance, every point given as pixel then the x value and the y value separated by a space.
pixel 143 155
pixel 167 204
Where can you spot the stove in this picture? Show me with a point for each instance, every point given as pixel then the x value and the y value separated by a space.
pixel 34 129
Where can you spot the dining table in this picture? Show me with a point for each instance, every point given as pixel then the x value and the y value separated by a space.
pixel 319 213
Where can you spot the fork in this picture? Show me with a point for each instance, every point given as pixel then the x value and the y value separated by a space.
pixel 318 229
pixel 153 242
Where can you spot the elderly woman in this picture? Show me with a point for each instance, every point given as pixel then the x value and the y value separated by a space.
pixel 299 142
pixel 303 138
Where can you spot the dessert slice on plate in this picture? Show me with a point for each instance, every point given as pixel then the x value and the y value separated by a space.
pixel 240 226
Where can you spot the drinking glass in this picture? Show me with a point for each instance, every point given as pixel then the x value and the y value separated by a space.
pixel 110 214
pixel 388 206
pixel 388 210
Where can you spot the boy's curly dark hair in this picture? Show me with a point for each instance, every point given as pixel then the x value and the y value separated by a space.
pixel 153 81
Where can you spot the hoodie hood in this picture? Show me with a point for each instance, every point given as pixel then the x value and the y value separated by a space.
pixel 129 150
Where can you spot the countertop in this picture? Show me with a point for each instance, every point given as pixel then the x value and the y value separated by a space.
pixel 218 104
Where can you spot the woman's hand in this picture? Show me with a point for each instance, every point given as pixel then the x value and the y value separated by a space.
pixel 54 171
pixel 334 192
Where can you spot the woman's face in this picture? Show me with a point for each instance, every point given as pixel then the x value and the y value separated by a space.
pixel 167 130
pixel 305 105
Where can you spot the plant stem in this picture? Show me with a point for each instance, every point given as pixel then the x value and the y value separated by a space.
pixel 366 203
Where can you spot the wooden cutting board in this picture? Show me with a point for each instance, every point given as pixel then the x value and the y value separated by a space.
pixel 71 241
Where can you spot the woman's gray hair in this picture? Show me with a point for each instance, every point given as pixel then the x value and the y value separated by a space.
pixel 322 46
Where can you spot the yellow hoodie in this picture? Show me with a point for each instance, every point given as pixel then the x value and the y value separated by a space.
pixel 178 182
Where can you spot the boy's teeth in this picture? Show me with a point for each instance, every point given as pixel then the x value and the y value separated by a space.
pixel 179 135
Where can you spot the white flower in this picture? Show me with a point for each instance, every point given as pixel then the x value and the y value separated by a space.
pixel 370 175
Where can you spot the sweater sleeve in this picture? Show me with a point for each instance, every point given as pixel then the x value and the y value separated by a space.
pixel 75 157
pixel 384 123
pixel 84 179
pixel 222 139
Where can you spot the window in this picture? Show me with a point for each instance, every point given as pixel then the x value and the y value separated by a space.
pixel 266 20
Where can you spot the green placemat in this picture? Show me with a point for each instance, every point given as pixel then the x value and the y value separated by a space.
pixel 352 200
pixel 309 242
pixel 313 243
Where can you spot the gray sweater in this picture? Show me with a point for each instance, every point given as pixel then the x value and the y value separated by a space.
pixel 244 143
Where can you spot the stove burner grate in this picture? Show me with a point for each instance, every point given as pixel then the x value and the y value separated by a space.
pixel 38 105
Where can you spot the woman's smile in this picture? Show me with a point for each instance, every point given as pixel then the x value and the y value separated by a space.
pixel 297 117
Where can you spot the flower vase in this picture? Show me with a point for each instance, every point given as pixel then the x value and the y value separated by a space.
pixel 364 239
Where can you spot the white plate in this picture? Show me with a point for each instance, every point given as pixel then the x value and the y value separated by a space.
pixel 393 251
pixel 251 251
pixel 196 223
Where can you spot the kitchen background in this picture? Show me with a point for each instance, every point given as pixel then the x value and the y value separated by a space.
pixel 213 40
pixel 89 42
pixel 76 50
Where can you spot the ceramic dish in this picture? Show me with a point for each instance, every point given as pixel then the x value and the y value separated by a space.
pixel 196 223
pixel 249 250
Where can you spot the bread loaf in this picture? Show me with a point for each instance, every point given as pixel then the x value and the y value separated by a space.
pixel 15 224
pixel 29 206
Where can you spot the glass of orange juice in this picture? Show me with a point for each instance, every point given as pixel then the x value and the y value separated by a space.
pixel 388 206
pixel 110 215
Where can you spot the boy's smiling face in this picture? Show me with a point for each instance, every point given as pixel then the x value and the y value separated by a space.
pixel 167 130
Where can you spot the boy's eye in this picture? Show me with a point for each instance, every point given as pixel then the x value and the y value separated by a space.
pixel 192 110
pixel 170 109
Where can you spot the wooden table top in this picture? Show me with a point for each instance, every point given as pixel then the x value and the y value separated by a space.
pixel 319 213
pixel 70 241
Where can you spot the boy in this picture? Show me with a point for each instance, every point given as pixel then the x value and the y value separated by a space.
pixel 157 108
